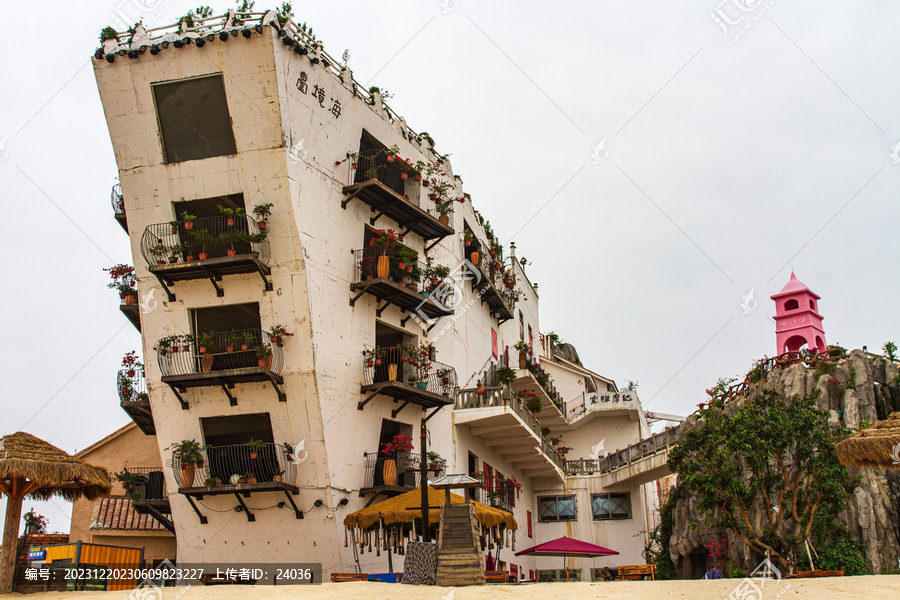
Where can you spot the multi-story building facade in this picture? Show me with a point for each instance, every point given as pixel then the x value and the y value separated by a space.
pixel 293 345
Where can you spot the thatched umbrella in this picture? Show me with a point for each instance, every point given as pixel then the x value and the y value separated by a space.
pixel 878 446
pixel 31 467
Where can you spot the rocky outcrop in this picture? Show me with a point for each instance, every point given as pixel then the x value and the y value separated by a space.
pixel 854 391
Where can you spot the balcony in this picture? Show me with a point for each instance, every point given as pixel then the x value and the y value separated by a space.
pixel 500 298
pixel 381 276
pixel 504 423
pixel 132 311
pixel 380 184
pixel 118 204
pixel 534 380
pixel 206 248
pixel 149 495
pixel 224 360
pixel 407 474
pixel 241 471
pixel 496 492
pixel 606 404
pixel 402 374
pixel 134 400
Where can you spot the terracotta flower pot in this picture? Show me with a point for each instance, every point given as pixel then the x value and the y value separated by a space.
pixel 261 362
pixel 189 257
pixel 230 221
pixel 377 362
pixel 253 455
pixel 206 363
pixel 409 268
pixel 383 267
pixel 369 363
pixel 401 265
pixel 425 183
pixel 444 218
pixel 404 176
pixel 130 372
pixel 355 165
pixel 276 478
pixel 413 286
pixel 389 472
pixel 475 257
pixel 188 225
pixel 468 243
pixel 230 252
pixel 203 255
pixel 389 158
pixel 417 177
pixel 187 475
pixel 202 349
pixel 229 348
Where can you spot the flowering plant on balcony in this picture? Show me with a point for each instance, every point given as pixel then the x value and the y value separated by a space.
pixel 385 239
pixel 277 333
pixel 522 346
pixel 512 482
pixel 373 356
pixel 444 207
pixel 123 279
pixel 131 363
pixel 563 449
pixel 35 523
pixel 400 443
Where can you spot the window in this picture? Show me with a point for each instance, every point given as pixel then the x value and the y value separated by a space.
pixel 521 326
pixel 224 321
pixel 193 118
pixel 557 508
pixel 791 305
pixel 473 468
pixel 611 507
pixel 812 304
pixel 530 339
pixel 228 453
pixel 488 478
pixel 528 522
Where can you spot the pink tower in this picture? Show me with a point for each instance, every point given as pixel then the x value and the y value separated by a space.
pixel 797 318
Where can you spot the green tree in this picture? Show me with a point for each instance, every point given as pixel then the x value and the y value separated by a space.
pixel 764 468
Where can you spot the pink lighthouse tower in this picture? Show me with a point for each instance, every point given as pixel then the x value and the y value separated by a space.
pixel 797 318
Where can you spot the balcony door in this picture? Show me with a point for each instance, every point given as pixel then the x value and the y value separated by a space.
pixel 228 452
pixel 230 327
pixel 405 468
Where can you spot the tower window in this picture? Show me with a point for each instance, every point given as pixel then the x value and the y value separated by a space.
pixel 791 305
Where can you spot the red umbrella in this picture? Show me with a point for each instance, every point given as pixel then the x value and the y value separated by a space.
pixel 566 546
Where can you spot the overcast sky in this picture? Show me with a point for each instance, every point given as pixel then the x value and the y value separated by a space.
pixel 727 159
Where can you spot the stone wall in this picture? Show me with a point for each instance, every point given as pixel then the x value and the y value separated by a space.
pixel 868 392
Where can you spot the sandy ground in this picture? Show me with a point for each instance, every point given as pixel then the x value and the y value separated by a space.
pixel 866 588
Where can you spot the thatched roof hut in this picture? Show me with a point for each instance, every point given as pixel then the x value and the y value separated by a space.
pixel 877 446
pixel 29 466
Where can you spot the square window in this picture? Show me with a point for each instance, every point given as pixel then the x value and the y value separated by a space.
pixel 557 508
pixel 611 507
pixel 194 121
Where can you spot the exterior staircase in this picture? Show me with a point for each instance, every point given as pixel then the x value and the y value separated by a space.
pixel 459 557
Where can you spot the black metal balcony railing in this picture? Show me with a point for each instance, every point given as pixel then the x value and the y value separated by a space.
pixel 368 267
pixel 374 164
pixel 225 351
pixel 407 468
pixel 200 239
pixel 496 492
pixel 117 200
pixel 396 364
pixel 238 464
pixel 149 484
pixel 493 274
pixel 131 385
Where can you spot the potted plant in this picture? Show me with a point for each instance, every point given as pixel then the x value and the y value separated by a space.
pixel 129 480
pixel 231 213
pixel 277 473
pixel 435 462
pixel 188 220
pixel 262 213
pixel 254 447
pixel 187 453
pixel 400 443
pixel 367 268
pixel 202 239
pixel 130 363
pixel 384 240
pixel 249 477
pixel 233 338
pixel 264 356
pixel 288 451
pixel 414 276
pixel 373 356
pixel 444 208
pixel 160 251
pixel 204 341
pixel 276 334
pixel 246 339
pixel 505 375
pixel 174 253
pixel 405 259
pixel 210 482
pixel 524 351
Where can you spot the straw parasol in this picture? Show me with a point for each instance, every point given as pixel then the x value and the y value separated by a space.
pixel 878 446
pixel 31 467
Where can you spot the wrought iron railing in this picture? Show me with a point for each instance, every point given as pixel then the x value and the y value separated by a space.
pixel 131 385
pixel 408 472
pixel 495 492
pixel 396 363
pixel 375 164
pixel 502 396
pixel 238 464
pixel 219 351
pixel 211 237
pixel 487 265
pixel 654 444
pixel 149 483
pixel 117 200
pixel 545 382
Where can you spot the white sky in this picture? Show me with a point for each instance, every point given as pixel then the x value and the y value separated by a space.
pixel 728 163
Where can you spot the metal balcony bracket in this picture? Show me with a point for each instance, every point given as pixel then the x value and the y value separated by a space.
pixel 227 389
pixel 374 219
pixel 184 405
pixel 250 516
pixel 169 292
pixel 405 319
pixel 433 244
pixel 434 412
pixel 407 230
pixel 267 284
pixel 366 401
pixel 347 200
pixel 203 520
pixel 213 279
pixel 297 512
pixel 371 500
pixel 161 518
pixel 427 331
pixel 282 397
pixel 382 308
pixel 356 297
pixel 394 413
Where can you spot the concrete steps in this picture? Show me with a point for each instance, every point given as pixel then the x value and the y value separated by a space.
pixel 459 559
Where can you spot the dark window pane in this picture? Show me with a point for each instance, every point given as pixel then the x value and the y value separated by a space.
pixel 194 119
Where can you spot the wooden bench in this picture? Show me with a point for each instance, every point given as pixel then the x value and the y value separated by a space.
pixel 496 576
pixel 637 572
pixel 342 577
pixel 817 573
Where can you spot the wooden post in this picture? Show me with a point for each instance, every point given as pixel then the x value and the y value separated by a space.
pixel 10 538
pixel 423 481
